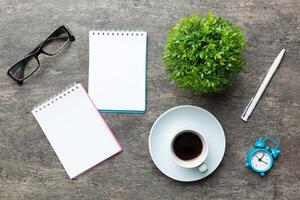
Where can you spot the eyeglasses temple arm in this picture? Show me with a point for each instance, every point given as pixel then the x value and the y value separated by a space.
pixel 53 38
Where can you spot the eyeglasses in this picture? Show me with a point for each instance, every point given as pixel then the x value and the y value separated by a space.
pixel 57 41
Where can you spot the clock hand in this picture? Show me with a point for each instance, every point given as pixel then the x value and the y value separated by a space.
pixel 264 162
pixel 262 156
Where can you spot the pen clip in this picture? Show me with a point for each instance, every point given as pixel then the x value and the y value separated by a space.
pixel 245 111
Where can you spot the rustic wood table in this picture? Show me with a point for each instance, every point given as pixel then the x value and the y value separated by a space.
pixel 29 168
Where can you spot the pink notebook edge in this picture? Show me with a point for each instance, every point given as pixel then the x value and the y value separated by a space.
pixel 110 131
pixel 108 128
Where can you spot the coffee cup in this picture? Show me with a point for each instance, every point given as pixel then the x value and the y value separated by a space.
pixel 189 149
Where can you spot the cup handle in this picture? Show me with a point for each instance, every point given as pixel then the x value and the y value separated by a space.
pixel 202 168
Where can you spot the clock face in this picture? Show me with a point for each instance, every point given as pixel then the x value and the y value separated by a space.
pixel 261 161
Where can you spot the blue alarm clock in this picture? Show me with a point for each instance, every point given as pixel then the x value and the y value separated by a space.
pixel 261 158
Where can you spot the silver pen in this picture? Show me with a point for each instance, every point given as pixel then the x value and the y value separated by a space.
pixel 253 101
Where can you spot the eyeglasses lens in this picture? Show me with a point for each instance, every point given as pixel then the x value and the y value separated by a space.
pixel 56 41
pixel 24 68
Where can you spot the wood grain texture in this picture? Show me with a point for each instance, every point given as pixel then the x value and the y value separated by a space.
pixel 29 169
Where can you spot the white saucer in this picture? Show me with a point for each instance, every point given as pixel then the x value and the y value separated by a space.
pixel 177 118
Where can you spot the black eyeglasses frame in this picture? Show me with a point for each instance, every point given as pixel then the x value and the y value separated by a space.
pixel 39 50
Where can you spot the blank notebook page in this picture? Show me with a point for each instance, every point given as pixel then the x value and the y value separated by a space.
pixel 117 70
pixel 76 130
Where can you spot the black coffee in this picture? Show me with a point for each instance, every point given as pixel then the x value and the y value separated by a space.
pixel 187 145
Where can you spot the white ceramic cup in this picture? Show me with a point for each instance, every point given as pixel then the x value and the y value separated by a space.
pixel 197 162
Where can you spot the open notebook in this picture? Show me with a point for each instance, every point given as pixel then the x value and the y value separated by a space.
pixel 76 130
pixel 117 70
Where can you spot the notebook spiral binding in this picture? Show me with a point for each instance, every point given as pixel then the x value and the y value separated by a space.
pixel 55 98
pixel 117 33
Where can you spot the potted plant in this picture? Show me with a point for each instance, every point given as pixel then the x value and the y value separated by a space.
pixel 204 54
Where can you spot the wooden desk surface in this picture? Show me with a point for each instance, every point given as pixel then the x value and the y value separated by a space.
pixel 29 169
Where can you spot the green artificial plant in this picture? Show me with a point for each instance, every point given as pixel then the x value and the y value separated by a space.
pixel 204 53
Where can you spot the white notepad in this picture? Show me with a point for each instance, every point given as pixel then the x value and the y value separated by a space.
pixel 76 130
pixel 117 70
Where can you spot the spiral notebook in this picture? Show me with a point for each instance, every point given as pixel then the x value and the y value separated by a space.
pixel 76 130
pixel 117 70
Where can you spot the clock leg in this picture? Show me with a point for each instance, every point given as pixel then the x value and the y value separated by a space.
pixel 247 164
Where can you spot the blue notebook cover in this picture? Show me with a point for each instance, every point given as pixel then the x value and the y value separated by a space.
pixel 117 70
